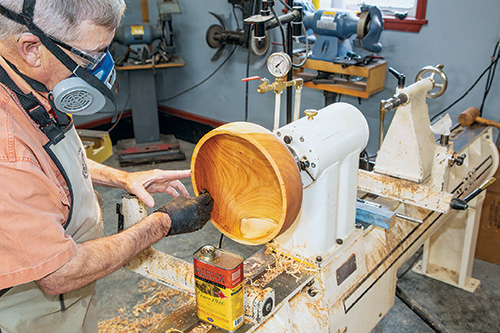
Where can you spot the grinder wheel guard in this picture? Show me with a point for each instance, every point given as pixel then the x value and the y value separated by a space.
pixel 253 179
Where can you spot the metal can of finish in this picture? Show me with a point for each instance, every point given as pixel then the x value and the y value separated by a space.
pixel 218 277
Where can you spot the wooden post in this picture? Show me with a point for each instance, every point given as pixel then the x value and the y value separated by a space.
pixel 145 17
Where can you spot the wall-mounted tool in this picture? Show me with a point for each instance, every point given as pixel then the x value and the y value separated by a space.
pixel 222 34
pixel 146 34
pixel 268 19
pixel 333 28
pixel 165 10
pixel 136 34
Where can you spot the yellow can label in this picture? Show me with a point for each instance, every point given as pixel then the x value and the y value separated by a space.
pixel 220 306
pixel 219 293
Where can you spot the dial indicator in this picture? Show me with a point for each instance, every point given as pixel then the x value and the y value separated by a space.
pixel 279 64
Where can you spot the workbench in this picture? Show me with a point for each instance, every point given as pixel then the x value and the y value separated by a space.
pixel 357 81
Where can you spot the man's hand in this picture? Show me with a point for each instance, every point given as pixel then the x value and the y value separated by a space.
pixel 188 214
pixel 140 183
pixel 156 181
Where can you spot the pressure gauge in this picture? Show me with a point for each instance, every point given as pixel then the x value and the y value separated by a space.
pixel 279 64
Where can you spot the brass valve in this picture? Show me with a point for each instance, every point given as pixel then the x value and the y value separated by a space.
pixel 277 86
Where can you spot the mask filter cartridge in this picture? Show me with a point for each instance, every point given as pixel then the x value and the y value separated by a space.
pixel 75 96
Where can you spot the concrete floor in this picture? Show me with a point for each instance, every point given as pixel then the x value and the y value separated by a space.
pixel 457 310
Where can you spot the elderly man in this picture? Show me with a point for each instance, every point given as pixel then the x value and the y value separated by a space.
pixel 52 248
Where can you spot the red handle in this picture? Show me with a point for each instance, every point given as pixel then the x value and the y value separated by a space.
pixel 251 78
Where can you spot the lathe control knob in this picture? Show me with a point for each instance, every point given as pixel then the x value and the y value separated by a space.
pixel 310 113
pixel 287 139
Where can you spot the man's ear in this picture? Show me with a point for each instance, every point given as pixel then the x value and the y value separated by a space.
pixel 28 47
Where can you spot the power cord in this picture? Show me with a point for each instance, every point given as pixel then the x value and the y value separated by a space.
pixel 492 64
pixel 220 240
pixel 202 81
pixel 286 5
pixel 120 115
pixel 305 36
pixel 247 70
pixel 235 17
pixel 247 74
pixel 491 76
pixel 306 52
pixel 281 28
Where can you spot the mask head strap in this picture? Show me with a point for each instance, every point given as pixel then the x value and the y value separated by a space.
pixel 29 8
pixel 26 19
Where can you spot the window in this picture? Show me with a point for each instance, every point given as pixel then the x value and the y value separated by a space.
pixel 390 9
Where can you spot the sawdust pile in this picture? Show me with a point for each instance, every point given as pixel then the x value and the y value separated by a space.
pixel 147 313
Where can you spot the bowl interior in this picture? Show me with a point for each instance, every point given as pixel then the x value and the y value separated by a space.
pixel 248 198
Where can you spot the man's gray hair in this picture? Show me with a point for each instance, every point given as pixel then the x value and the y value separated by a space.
pixel 62 19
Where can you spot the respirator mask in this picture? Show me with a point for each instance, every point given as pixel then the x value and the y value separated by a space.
pixel 86 91
pixel 75 96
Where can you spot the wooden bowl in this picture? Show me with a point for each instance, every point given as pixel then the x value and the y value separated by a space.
pixel 253 178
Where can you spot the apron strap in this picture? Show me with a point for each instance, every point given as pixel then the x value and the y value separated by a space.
pixel 47 124
pixel 62 119
pixel 36 111
pixel 3 291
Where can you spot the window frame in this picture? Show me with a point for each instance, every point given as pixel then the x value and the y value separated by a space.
pixel 409 24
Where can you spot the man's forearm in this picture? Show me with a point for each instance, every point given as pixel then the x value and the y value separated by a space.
pixel 106 176
pixel 100 257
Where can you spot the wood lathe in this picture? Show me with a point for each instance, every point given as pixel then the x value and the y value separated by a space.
pixel 330 270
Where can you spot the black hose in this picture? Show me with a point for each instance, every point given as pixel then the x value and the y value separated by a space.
pixel 247 70
pixel 220 240
pixel 282 31
pixel 490 78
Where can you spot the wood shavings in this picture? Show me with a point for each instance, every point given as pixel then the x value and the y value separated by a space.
pixel 296 266
pixel 201 328
pixel 145 286
pixel 145 314
pixel 293 265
